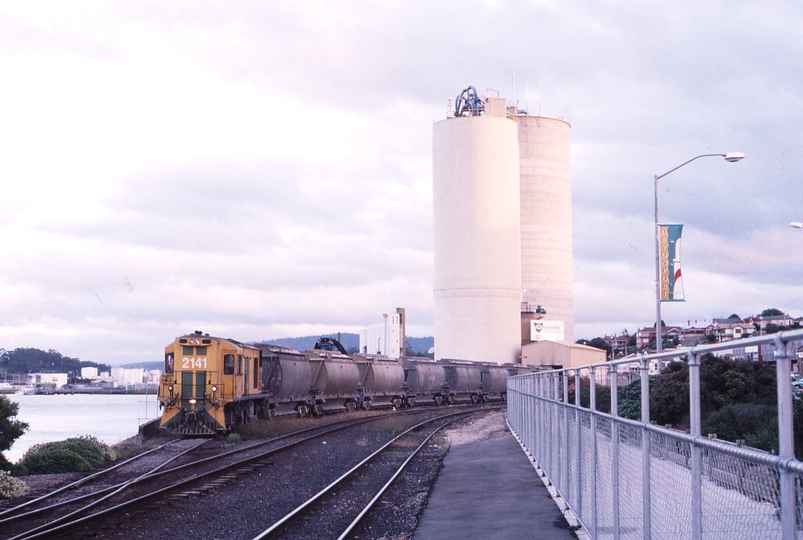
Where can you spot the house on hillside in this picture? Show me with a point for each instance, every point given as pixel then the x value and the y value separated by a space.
pixel 646 335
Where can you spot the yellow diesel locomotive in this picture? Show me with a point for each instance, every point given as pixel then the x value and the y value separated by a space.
pixel 208 384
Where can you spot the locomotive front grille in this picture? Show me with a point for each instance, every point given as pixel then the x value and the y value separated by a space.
pixel 193 386
pixel 193 428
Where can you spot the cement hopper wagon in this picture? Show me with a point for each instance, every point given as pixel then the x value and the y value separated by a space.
pixel 336 379
pixel 381 382
pixel 494 381
pixel 425 379
pixel 463 379
pixel 286 379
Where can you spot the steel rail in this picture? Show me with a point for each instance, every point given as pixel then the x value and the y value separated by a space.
pixel 390 482
pixel 60 526
pixel 80 481
pixel 107 489
pixel 304 506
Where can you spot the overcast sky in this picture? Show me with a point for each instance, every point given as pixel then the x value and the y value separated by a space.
pixel 263 169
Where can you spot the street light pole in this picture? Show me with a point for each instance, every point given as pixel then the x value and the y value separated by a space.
pixel 730 157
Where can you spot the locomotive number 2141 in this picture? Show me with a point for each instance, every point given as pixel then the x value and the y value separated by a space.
pixel 194 363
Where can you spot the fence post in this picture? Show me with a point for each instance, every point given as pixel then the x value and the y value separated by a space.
pixel 549 437
pixel 644 370
pixel 555 433
pixel 786 442
pixel 578 488
pixel 696 451
pixel 614 450
pixel 566 459
pixel 592 394
pixel 542 423
pixel 530 411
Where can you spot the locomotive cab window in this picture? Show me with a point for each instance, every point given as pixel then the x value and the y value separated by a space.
pixel 200 351
pixel 239 364
pixel 169 363
pixel 187 351
pixel 228 364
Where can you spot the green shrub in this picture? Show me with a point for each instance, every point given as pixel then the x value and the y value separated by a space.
pixel 629 400
pixel 11 487
pixel 107 451
pixel 53 460
pixel 5 464
pixel 741 421
pixel 234 438
pixel 84 448
pixel 603 396
pixel 77 454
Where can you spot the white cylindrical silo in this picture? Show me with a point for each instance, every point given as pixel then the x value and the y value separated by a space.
pixel 546 217
pixel 477 245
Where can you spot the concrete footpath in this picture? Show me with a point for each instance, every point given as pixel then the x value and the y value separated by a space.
pixel 489 489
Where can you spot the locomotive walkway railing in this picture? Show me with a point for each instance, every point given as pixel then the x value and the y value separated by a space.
pixel 632 479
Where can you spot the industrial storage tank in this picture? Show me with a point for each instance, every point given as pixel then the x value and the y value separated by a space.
pixel 477 249
pixel 546 217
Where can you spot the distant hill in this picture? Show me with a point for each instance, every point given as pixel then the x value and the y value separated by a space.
pixel 147 365
pixel 29 360
pixel 420 345
pixel 349 341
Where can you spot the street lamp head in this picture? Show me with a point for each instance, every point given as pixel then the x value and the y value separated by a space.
pixel 797 224
pixel 734 156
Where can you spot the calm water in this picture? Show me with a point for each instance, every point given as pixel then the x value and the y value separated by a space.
pixel 110 418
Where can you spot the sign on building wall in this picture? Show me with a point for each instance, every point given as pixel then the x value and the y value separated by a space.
pixel 546 330
pixel 669 263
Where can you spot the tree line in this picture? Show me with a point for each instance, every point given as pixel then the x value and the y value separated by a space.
pixel 28 360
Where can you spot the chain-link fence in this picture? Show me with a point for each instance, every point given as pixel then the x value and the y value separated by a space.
pixel 633 479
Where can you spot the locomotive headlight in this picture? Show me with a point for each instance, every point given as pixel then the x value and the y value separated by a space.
pixel 193 401
pixel 170 388
pixel 214 389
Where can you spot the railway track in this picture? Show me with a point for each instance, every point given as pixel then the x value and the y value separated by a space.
pixel 90 506
pixel 324 515
pixel 65 503
pixel 41 518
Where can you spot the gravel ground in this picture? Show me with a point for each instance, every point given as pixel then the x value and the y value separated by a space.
pixel 248 504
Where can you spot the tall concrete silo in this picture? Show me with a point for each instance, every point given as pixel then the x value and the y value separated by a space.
pixel 546 217
pixel 477 246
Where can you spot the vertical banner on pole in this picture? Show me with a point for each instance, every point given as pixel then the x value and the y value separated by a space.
pixel 669 257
